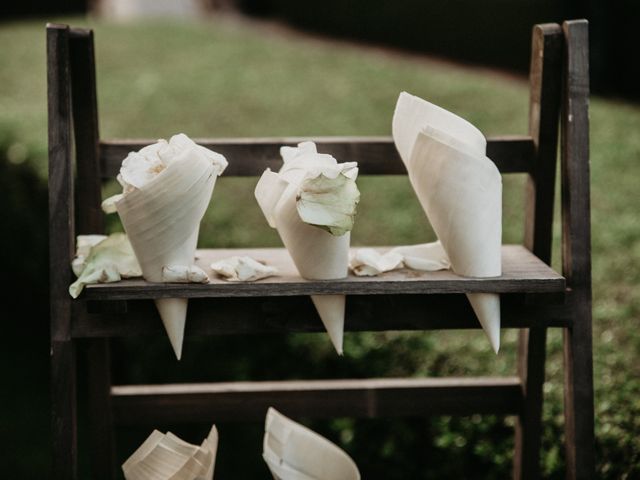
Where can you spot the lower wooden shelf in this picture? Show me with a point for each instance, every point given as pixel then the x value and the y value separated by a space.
pixel 363 398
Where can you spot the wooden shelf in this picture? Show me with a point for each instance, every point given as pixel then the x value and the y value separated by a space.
pixel 523 272
pixel 362 398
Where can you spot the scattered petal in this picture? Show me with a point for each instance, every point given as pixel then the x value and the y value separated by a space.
pixel 428 257
pixel 367 262
pixel 242 269
pixel 184 274
pixel 329 203
pixel 108 260
pixel 166 456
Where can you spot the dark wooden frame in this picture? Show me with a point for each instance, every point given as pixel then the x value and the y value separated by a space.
pixel 559 90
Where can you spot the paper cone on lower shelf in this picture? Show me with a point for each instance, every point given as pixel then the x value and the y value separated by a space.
pixel 294 452
pixel 316 253
pixel 167 457
pixel 162 213
pixel 460 190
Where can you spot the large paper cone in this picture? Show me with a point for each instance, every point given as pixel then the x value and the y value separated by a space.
pixel 413 113
pixel 294 452
pixel 460 190
pixel 162 220
pixel 318 255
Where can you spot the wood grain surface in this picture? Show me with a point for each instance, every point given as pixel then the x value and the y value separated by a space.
pixel 522 272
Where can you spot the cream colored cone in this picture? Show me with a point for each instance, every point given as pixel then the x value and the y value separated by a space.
pixel 173 312
pixel 162 220
pixel 487 309
pixel 413 113
pixel 460 190
pixel 294 452
pixel 167 457
pixel 462 196
pixel 331 311
pixel 318 255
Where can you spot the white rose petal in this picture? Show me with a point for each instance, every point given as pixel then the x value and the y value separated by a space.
pixel 184 274
pixel 107 260
pixel 242 269
pixel 369 262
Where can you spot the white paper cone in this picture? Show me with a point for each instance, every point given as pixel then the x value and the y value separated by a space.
pixel 462 196
pixel 173 313
pixel 460 190
pixel 318 255
pixel 413 113
pixel 167 457
pixel 292 451
pixel 162 220
pixel 331 311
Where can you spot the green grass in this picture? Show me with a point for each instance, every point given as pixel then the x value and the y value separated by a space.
pixel 226 79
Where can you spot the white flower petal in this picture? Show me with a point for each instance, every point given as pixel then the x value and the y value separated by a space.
pixel 369 262
pixel 108 260
pixel 184 274
pixel 242 269
pixel 328 203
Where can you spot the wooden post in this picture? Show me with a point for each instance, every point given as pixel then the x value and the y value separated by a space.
pixel 61 245
pixel 576 253
pixel 544 107
pixel 90 220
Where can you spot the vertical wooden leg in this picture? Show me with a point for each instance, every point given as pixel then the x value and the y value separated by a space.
pixel 100 417
pixel 531 363
pixel 578 393
pixel 63 411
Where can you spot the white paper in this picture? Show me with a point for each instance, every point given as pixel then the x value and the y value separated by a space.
pixel 460 190
pixel 292 451
pixel 167 457
pixel 167 189
pixel 317 254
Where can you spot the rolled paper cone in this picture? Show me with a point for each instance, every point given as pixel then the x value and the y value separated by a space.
pixel 165 456
pixel 143 450
pixel 289 444
pixel 413 113
pixel 317 255
pixel 461 194
pixel 331 310
pixel 487 308
pixel 162 220
pixel 212 445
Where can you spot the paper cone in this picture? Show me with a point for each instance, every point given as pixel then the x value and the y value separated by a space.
pixel 292 451
pixel 318 255
pixel 162 220
pixel 331 311
pixel 167 457
pixel 413 113
pixel 460 190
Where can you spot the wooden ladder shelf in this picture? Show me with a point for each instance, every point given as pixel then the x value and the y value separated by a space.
pixel 534 297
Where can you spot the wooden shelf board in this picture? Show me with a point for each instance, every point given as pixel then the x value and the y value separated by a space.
pixel 523 272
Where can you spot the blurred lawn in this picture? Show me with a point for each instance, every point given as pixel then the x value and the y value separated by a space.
pixel 225 79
